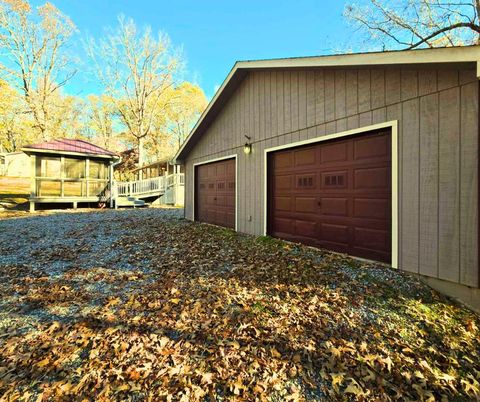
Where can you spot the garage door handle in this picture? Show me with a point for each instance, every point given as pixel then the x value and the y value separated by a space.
pixel 319 203
pixel 214 198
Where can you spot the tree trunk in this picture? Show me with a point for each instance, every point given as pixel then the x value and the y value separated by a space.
pixel 140 157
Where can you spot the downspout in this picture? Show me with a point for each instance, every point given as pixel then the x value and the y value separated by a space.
pixel 112 169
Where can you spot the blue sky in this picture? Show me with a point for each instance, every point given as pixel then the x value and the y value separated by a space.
pixel 214 34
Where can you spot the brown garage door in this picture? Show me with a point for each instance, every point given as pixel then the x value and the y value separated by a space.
pixel 215 193
pixel 334 195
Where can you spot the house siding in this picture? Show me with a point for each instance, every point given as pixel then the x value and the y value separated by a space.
pixel 437 112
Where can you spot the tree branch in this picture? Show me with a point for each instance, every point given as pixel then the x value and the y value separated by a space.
pixel 473 27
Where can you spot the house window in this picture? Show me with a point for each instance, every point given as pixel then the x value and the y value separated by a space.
pixel 74 168
pixel 46 166
pixel 97 170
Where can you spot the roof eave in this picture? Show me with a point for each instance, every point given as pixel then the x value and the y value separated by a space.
pixel 467 54
pixel 28 150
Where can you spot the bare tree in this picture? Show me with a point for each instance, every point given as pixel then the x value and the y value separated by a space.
pixel 137 71
pixel 32 42
pixel 410 24
pixel 101 120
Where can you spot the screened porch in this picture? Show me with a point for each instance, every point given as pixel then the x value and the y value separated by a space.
pixel 64 177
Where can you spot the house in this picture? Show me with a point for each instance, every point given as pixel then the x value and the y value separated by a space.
pixel 156 169
pixel 374 155
pixel 14 164
pixel 69 171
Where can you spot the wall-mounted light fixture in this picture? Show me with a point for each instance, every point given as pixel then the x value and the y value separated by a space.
pixel 247 148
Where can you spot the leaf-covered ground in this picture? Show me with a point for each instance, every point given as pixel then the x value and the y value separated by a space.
pixel 142 305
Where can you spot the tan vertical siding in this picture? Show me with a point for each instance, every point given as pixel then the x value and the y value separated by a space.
pixel 377 88
pixel 427 82
pixel 447 79
pixel 310 99
pixel 449 185
pixel 410 185
pixel 340 94
pixel 364 91
pixel 469 185
pixel 319 97
pixel 329 82
pixel 428 248
pixel 351 88
pixel 437 114
pixel 302 99
pixel 409 84
pixel 392 86
pixel 394 113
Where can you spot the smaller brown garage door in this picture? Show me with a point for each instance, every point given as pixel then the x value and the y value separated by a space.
pixel 334 195
pixel 215 193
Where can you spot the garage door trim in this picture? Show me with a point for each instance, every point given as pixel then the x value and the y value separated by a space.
pixel 222 158
pixel 393 125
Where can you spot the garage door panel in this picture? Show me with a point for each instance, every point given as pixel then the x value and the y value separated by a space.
pixel 283 160
pixel 368 178
pixel 371 147
pixel 230 202
pixel 375 224
pixel 337 247
pixel 221 201
pixel 305 157
pixel 211 216
pixel 221 170
pixel 342 202
pixel 306 228
pixel 220 216
pixel 334 206
pixel 371 208
pixel 215 193
pixel 282 204
pixel 371 239
pixel 283 182
pixel 283 225
pixel 334 233
pixel 334 152
pixel 211 171
pixel 230 170
pixel 305 204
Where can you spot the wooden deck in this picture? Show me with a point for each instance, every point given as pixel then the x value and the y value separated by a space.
pixel 167 186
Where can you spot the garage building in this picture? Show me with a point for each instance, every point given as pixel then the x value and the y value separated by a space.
pixel 374 155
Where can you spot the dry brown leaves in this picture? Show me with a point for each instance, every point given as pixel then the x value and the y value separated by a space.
pixel 211 315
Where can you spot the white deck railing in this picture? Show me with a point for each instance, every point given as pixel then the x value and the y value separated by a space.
pixel 154 186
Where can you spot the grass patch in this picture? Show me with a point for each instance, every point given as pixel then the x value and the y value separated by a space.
pixel 14 191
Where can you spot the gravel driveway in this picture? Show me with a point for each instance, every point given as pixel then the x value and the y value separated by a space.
pixel 66 240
